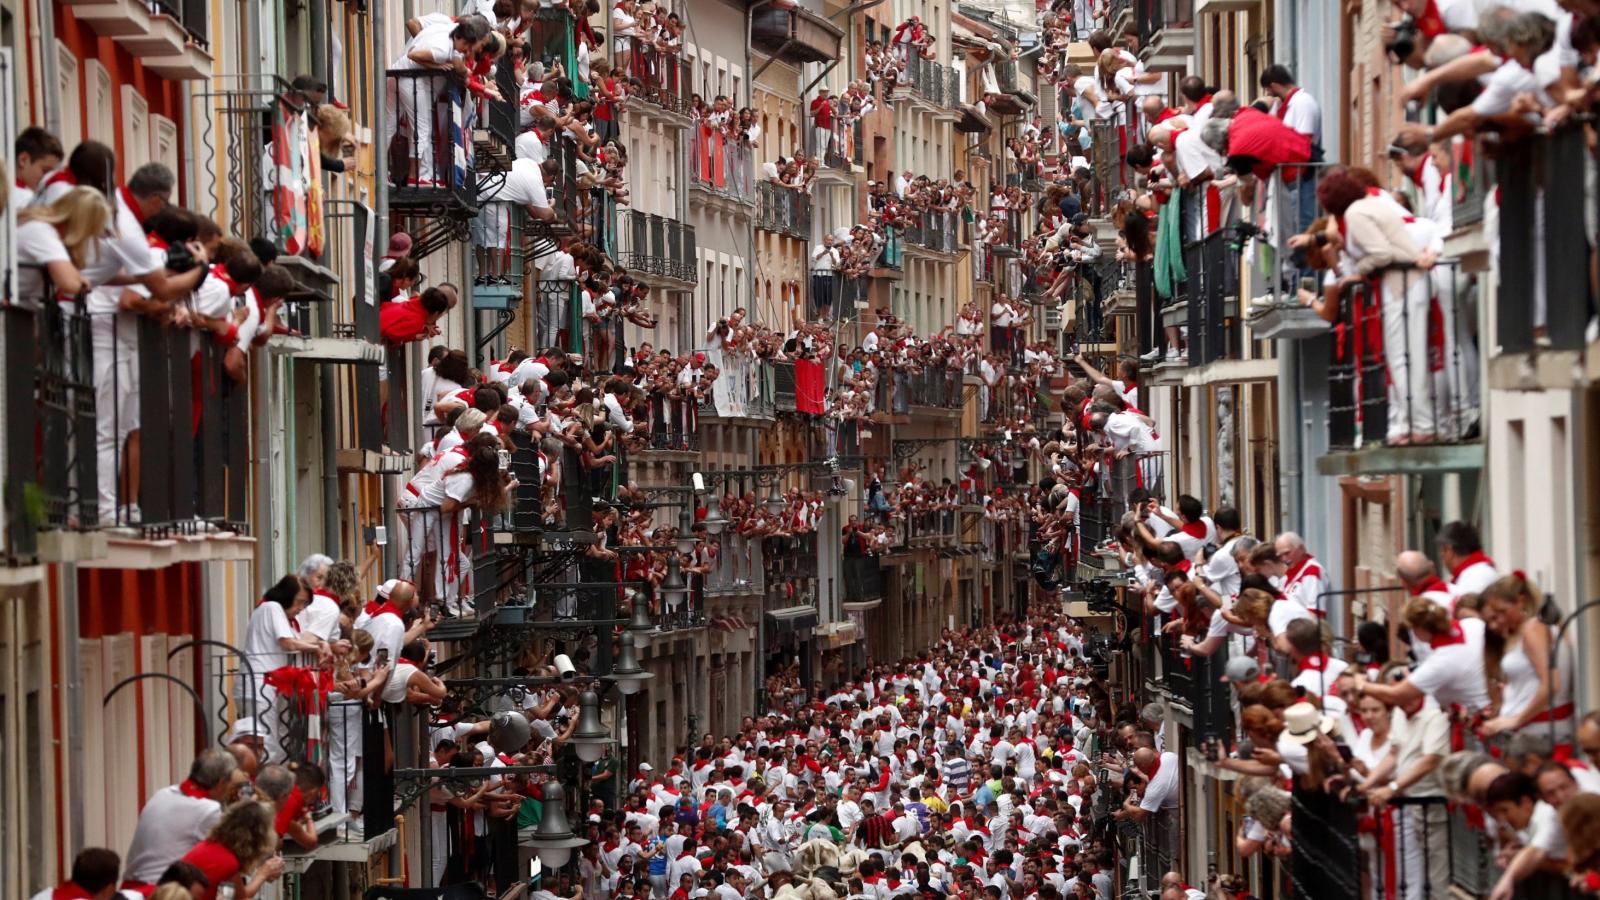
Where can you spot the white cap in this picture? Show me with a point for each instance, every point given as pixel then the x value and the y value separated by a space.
pixel 244 726
pixel 385 589
pixel 646 767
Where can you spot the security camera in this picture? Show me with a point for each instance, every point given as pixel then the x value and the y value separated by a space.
pixel 565 668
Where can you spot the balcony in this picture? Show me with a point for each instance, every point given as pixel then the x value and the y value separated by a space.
pixel 722 169
pixel 664 79
pixel 502 268
pixel 331 321
pixel 739 567
pixel 939 392
pixel 552 40
pixel 1166 33
pixel 891 259
pixel 1544 304
pixel 1212 266
pixel 936 83
pixel 654 247
pixel 431 179
pixel 842 294
pixel 932 529
pixel 795 35
pixel 169 485
pixel 495 124
pixel 863 581
pixel 935 231
pixel 1005 238
pixel 840 154
pixel 743 390
pixel 1412 407
pixel 169 37
pixel 783 210
pixel 1013 98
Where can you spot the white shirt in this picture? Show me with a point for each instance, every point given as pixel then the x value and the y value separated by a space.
pixel 1221 571
pixel 1282 613
pixel 269 623
pixel 1195 157
pixel 434 40
pixel 1474 579
pixel 126 250
pixel 531 147
pixel 38 243
pixel 523 184
pixel 320 617
pixel 1303 115
pixel 1453 673
pixel 170 824
pixel 1503 86
pixel 1163 790
pixel 388 632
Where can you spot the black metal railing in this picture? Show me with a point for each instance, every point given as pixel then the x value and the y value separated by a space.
pixel 49 423
pixel 938 230
pixel 566 195
pixel 501 117
pixel 892 256
pixel 941 389
pixel 1555 302
pixel 1404 371
pixel 1325 859
pixel 664 76
pixel 863 579
pixel 672 423
pixel 1212 265
pixel 657 245
pixel 935 82
pixel 783 386
pixel 559 316
pixel 429 148
pixel 836 292
pixel 1156 15
pixel 783 210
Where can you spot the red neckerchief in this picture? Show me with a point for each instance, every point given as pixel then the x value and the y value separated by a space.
pixel 70 891
pixel 157 242
pixel 1283 105
pixel 387 607
pixel 319 592
pixel 1432 584
pixel 1430 23
pixel 1166 114
pixel 1316 662
pixel 372 607
pixel 1202 102
pixel 1296 571
pixel 60 176
pixel 1157 768
pixel 1194 529
pixel 189 789
pixel 1469 562
pixel 1456 636
pixel 1184 566
pixel 133 206
pixel 220 273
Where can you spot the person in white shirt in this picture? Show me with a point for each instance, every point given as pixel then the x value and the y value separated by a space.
pixel 1461 553
pixel 271 639
pixel 320 618
pixel 1452 674
pixel 179 816
pixel 411 99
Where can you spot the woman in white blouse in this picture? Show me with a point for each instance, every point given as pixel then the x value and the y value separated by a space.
pixel 1516 660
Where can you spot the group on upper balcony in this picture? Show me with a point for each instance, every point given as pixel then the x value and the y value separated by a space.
pixel 139 302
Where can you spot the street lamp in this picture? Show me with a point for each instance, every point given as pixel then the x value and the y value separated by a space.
pixel 686 539
pixel 626 671
pixel 591 738
pixel 640 620
pixel 714 521
pixel 554 840
pixel 673 586
pixel 775 501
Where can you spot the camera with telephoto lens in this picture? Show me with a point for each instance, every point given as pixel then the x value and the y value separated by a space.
pixel 1404 42
pixel 1100 594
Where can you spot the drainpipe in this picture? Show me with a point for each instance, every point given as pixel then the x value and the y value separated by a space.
pixel 1291 498
pixel 44 33
pixel 380 214
pixel 331 543
pixel 74 705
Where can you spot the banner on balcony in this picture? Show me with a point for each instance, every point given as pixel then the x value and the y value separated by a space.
pixel 810 386
pixel 288 176
pixel 736 389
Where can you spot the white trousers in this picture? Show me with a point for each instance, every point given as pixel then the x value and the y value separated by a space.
pixel 1407 299
pixel 344 752
pixel 116 400
pixel 411 100
pixel 1424 850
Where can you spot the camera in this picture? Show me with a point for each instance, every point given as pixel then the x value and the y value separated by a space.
pixel 1100 594
pixel 565 668
pixel 1404 42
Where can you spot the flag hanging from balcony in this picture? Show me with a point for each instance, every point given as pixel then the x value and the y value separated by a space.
pixel 809 386
pixel 288 182
pixel 455 118
pixel 313 158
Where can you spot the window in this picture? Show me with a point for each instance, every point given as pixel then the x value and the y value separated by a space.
pixel 164 141
pixel 100 121
pixel 136 130
pixel 68 92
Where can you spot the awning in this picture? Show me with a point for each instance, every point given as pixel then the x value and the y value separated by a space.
pixel 791 619
pixel 863 605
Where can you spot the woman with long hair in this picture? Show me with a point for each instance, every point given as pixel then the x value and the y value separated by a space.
pixel 57 240
pixel 240 850
pixel 1516 663
pixel 478 482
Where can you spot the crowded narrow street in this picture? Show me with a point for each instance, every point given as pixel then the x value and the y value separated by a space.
pixel 799 449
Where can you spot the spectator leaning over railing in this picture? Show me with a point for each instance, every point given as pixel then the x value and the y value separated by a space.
pixel 441 47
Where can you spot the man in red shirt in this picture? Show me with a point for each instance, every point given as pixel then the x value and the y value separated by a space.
pixel 822 124
pixel 404 321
